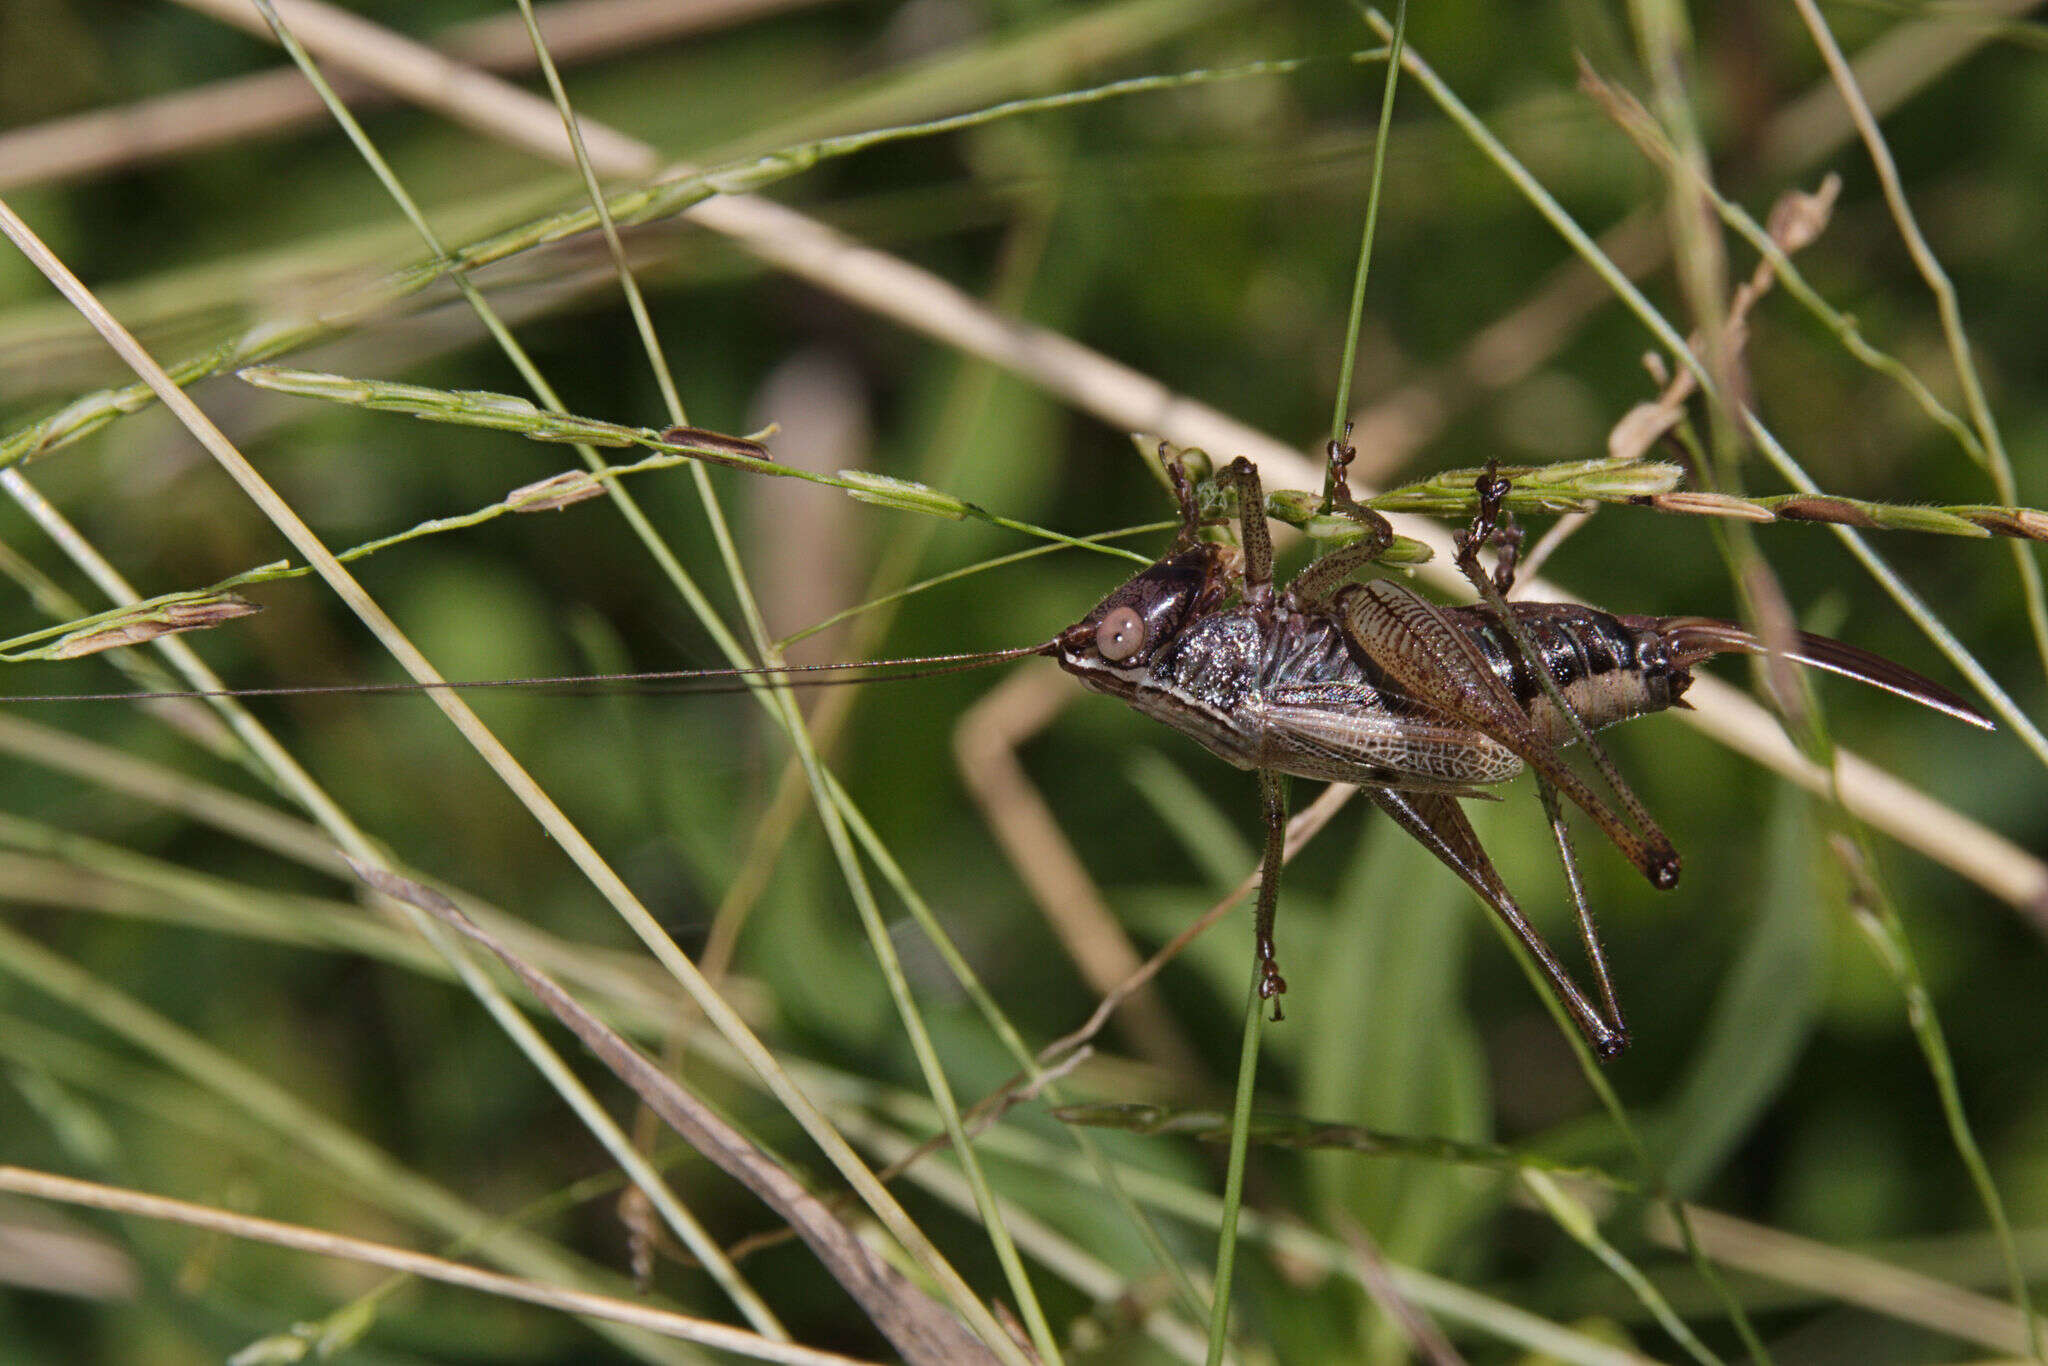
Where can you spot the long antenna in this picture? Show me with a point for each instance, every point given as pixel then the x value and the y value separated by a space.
pixel 786 675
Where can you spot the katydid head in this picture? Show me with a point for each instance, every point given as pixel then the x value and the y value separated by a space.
pixel 1124 632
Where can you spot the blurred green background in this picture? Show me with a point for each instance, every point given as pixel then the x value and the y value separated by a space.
pixel 1205 237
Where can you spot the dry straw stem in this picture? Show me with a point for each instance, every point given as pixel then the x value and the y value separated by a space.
pixel 274 764
pixel 1115 392
pixel 1302 827
pixel 985 744
pixel 1423 1335
pixel 1078 1266
pixel 269 103
pixel 914 1323
pixel 1850 1277
pixel 66 1190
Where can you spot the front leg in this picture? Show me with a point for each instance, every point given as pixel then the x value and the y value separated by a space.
pixel 1491 524
pixel 1183 497
pixel 1252 532
pixel 1316 585
pixel 1273 789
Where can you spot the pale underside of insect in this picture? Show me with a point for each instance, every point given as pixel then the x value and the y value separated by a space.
pixel 1418 704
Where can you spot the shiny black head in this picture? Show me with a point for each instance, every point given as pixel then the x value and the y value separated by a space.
pixel 1122 636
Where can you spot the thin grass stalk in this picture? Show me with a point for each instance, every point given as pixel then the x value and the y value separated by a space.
pixel 1665 39
pixel 871 919
pixel 364 1169
pixel 1653 1183
pixel 629 284
pixel 783 707
pixel 45 1186
pixel 614 1139
pixel 1006 1254
pixel 1995 460
pixel 1943 640
pixel 544 809
pixel 1877 916
pixel 1000 1025
pixel 1340 414
pixel 1578 1221
pixel 274 761
pixel 941 1090
pixel 1233 1180
pixel 966 395
pixel 920 1248
pixel 1664 46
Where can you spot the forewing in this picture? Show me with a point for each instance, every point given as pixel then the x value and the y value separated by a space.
pixel 1436 663
pixel 1430 751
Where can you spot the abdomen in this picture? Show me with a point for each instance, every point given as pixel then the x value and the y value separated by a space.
pixel 1607 669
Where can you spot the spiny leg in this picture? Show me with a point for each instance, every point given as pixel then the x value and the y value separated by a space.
pixel 1589 932
pixel 1438 823
pixel 1258 591
pixel 1492 523
pixel 1273 789
pixel 1339 456
pixel 1183 497
pixel 1317 584
pixel 1251 518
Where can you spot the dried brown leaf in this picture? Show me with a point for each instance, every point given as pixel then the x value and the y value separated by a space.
pixel 162 620
pixel 1819 507
pixel 1642 427
pixel 1798 217
pixel 1711 505
pixel 554 493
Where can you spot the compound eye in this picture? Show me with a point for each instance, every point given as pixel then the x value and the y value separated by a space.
pixel 1121 635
